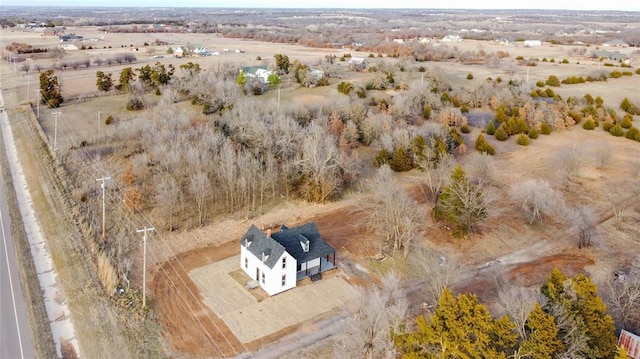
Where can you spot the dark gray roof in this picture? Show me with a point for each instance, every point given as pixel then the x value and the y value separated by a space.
pixel 290 238
pixel 260 244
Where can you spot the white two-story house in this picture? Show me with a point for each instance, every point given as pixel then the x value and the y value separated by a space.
pixel 277 261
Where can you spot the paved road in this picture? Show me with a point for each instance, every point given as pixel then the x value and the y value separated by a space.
pixel 15 336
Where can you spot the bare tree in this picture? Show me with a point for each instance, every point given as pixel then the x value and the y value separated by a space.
pixel 622 294
pixel 481 168
pixel 567 164
pixel 517 302
pixel 435 175
pixel 434 268
pixel 320 163
pixel 167 196
pixel 392 212
pixel 585 220
pixel 537 199
pixel 379 312
pixel 199 188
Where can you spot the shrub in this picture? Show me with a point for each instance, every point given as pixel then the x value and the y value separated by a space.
pixel 501 134
pixel 490 129
pixel 626 122
pixel 575 116
pixel 464 109
pixel 520 58
pixel 108 120
pixel 401 161
pixel 625 105
pixel 361 92
pixel 483 146
pixel 565 61
pixel 465 128
pixel 533 133
pixel 421 69
pixel 632 133
pixel 426 113
pixel 522 140
pixel 345 87
pixel 545 129
pixel 589 125
pixel 135 104
pixel 382 158
pixel 606 126
pixel 617 130
pixel 638 71
pixel 615 74
pixel 469 76
pixel 540 84
pixel 589 99
pixel 520 126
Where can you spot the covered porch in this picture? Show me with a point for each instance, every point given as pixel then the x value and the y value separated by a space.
pixel 316 267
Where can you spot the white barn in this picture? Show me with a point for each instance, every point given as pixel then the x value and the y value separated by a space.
pixel 278 261
pixel 532 43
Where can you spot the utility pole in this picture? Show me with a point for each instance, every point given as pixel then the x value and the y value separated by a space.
pixel 103 180
pixel 38 113
pixel 98 139
pixel 144 264
pixel 55 130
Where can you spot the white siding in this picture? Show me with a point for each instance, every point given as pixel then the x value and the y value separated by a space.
pixel 310 264
pixel 272 276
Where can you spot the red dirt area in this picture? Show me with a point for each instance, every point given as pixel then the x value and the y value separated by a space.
pixel 192 327
pixel 527 274
pixel 536 271
pixel 344 230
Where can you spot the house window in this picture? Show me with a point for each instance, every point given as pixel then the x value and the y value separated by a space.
pixel 246 262
pixel 262 277
pixel 284 262
pixel 284 279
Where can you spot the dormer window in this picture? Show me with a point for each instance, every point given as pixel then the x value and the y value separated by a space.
pixel 304 242
pixel 247 242
pixel 265 255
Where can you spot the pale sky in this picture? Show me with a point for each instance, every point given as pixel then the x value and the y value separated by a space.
pixel 627 5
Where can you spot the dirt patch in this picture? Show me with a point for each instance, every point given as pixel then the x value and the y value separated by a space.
pixel 189 325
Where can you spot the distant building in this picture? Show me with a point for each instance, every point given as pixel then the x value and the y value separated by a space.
pixel 452 38
pixel 631 343
pixel 615 43
pixel 609 55
pixel 358 63
pixel 532 43
pixel 259 72
pixel 70 37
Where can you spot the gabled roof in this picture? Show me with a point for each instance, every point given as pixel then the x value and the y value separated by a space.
pixel 291 239
pixel 357 61
pixel 261 244
pixel 252 70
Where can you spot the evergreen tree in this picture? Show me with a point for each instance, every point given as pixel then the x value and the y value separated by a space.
pixel 419 149
pixel 50 90
pixel 625 105
pixel 501 116
pixel 483 146
pixel 103 81
pixel 126 76
pixel 461 203
pixel 598 323
pixel 460 327
pixel 542 336
pixel 545 129
pixel 401 161
pixel 501 133
pixel 241 78
pixel 491 128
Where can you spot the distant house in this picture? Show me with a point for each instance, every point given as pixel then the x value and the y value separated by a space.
pixel 452 38
pixel 615 43
pixel 631 343
pixel 178 51
pixel 261 72
pixel 609 55
pixel 69 47
pixel 199 50
pixel 532 43
pixel 278 261
pixel 70 37
pixel 316 74
pixel 358 63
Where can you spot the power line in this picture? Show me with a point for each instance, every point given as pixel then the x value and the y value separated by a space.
pixel 167 254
